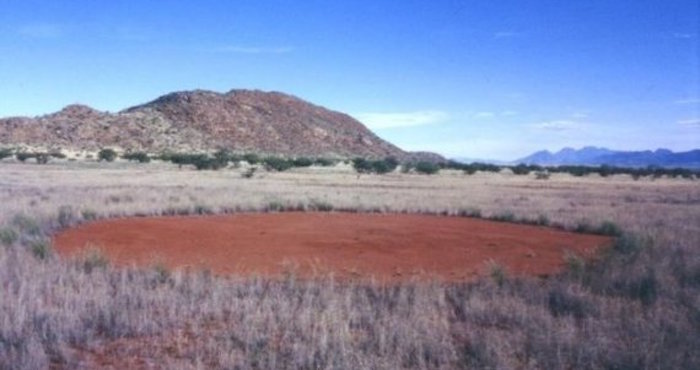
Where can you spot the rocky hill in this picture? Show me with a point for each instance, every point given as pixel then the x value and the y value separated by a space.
pixel 240 120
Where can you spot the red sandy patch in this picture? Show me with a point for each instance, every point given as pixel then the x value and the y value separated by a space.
pixel 388 246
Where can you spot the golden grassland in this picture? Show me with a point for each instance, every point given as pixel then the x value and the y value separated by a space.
pixel 638 307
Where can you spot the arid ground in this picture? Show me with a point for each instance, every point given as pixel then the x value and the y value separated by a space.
pixel 635 306
pixel 347 245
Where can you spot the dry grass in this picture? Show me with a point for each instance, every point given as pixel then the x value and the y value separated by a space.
pixel 636 308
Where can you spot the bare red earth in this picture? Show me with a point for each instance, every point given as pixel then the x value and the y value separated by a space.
pixel 385 246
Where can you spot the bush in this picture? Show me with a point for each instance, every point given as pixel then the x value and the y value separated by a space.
pixel 521 169
pixel 93 259
pixel 66 216
pixel 140 157
pixel 249 173
pixel 506 216
pixel 383 166
pixel 609 228
pixel 41 249
pixel 199 161
pixel 362 165
pixel 584 227
pixel 302 162
pixel 470 212
pixel 562 302
pixel 380 166
pixel 497 273
pixel 277 164
pixel 8 236
pixel 88 214
pixel 23 156
pixel 26 224
pixel 324 162
pixel 542 175
pixel 319 205
pixel 5 153
pixel 627 244
pixel 165 156
pixel 427 168
pixel 275 206
pixel 469 170
pixel 224 155
pixel 251 158
pixel 42 158
pixel 576 265
pixel 204 162
pixel 182 159
pixel 107 155
pixel 542 220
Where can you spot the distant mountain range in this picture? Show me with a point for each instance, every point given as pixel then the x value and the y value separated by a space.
pixel 595 156
pixel 200 120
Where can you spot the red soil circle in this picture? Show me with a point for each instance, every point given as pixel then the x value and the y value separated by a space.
pixel 349 245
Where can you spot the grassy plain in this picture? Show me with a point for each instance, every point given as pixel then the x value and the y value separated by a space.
pixel 638 307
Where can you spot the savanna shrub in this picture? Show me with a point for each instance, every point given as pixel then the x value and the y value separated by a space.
pixel 42 158
pixel 383 166
pixel 206 163
pixel 542 175
pixel 41 249
pixel 302 162
pixel 427 168
pixel 249 173
pixel 520 169
pixel 23 156
pixel 26 224
pixel 66 216
pixel 5 153
pixel 140 157
pixel 8 236
pixel 277 164
pixel 324 162
pixel 362 165
pixel 380 166
pixel 609 228
pixel 251 158
pixel 107 155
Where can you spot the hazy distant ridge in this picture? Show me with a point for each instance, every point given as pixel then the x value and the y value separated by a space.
pixel 602 156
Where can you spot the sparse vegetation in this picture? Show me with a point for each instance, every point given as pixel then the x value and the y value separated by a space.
pixel 141 157
pixel 249 173
pixel 251 158
pixel 8 236
pixel 107 155
pixel 324 162
pixel 497 273
pixel 302 162
pixel 632 307
pixel 277 164
pixel 379 166
pixel 40 157
pixel 23 156
pixel 505 216
pixel 5 153
pixel 427 168
pixel 542 175
pixel 40 248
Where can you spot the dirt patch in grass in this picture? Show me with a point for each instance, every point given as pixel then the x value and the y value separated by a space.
pixel 348 245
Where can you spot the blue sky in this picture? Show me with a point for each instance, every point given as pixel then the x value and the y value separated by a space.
pixel 479 79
